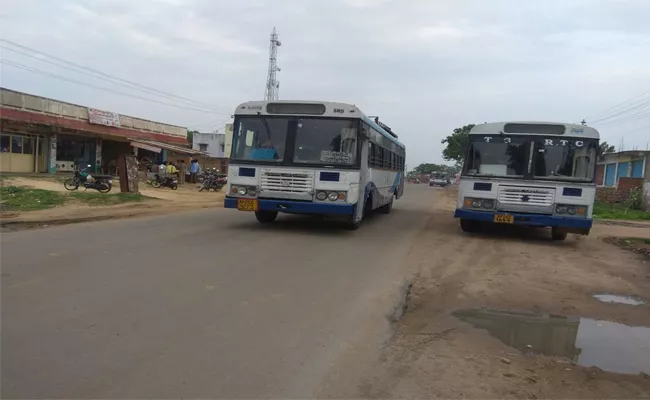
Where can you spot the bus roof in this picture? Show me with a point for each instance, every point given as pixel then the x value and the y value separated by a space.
pixel 312 108
pixel 571 130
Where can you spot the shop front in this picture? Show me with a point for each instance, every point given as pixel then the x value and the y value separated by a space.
pixel 21 152
pixel 46 135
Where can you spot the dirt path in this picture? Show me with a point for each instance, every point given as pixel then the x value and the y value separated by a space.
pixel 162 201
pixel 434 354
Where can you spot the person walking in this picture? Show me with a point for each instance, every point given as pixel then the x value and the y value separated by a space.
pixel 182 170
pixel 194 171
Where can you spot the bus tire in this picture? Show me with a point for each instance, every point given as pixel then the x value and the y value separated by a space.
pixel 387 208
pixel 468 225
pixel 266 217
pixel 557 234
pixel 353 225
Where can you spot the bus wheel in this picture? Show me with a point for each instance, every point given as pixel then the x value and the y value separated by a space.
pixel 557 234
pixel 265 217
pixel 468 225
pixel 352 225
pixel 386 209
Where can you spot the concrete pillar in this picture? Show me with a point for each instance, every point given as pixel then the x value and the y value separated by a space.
pixel 98 155
pixel 52 154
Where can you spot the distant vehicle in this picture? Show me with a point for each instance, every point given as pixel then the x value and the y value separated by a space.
pixel 164 181
pixel 101 183
pixel 312 158
pixel 439 179
pixel 529 173
pixel 213 181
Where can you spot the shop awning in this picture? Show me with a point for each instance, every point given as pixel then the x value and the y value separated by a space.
pixel 157 147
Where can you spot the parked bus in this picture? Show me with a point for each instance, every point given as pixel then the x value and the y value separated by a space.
pixel 529 173
pixel 312 157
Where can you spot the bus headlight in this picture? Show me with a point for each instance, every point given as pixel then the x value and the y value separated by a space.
pixel 251 191
pixel 242 190
pixel 321 196
pixel 478 203
pixel 580 211
pixel 333 196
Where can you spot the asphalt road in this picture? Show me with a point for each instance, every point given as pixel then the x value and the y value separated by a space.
pixel 204 304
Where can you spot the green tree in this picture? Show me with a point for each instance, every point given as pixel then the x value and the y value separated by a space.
pixel 427 168
pixel 457 144
pixel 606 148
pixel 190 135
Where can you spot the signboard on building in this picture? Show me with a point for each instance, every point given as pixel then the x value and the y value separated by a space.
pixel 106 118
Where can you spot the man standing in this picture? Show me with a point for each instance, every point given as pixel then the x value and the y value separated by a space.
pixel 194 171
pixel 182 171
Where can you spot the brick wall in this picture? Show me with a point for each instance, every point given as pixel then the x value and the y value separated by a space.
pixel 619 194
pixel 627 184
pixel 600 173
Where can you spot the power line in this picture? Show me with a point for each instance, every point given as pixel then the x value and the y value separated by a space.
pixel 640 105
pixel 628 118
pixel 199 127
pixel 104 75
pixel 63 78
pixel 618 106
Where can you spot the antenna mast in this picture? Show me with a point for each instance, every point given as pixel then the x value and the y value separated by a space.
pixel 272 84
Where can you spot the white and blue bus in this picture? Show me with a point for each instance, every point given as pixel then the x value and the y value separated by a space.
pixel 529 173
pixel 311 157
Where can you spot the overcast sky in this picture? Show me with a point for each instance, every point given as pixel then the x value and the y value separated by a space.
pixel 425 67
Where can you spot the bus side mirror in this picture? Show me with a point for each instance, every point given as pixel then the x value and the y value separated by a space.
pixel 364 133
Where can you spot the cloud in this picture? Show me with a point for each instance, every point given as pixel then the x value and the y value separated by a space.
pixel 425 67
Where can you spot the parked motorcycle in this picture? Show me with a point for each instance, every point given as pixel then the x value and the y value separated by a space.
pixel 101 183
pixel 214 182
pixel 167 181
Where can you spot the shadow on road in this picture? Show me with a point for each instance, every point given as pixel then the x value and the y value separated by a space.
pixel 516 233
pixel 398 220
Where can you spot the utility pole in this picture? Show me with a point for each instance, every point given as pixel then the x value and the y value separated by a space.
pixel 272 84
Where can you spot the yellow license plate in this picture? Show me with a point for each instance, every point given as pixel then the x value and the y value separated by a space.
pixel 246 205
pixel 504 219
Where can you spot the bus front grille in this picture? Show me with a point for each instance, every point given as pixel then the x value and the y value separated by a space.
pixel 523 195
pixel 287 182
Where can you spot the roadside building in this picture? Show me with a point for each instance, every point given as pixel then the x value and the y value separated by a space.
pixel 213 145
pixel 624 170
pixel 39 134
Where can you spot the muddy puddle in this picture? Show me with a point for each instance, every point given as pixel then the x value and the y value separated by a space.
pixel 607 345
pixel 612 298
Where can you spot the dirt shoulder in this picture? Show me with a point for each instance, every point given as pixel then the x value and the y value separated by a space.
pixel 155 202
pixel 434 354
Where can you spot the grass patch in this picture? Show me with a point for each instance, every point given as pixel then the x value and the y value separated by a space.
pixel 26 199
pixel 99 199
pixel 618 211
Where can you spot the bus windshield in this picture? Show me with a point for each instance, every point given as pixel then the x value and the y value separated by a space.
pixel 295 140
pixel 260 139
pixel 497 156
pixel 325 141
pixel 536 157
pixel 572 159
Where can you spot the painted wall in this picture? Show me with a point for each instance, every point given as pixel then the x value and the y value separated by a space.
pixel 214 143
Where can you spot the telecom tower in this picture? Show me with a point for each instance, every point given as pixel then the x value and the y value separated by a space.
pixel 272 84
